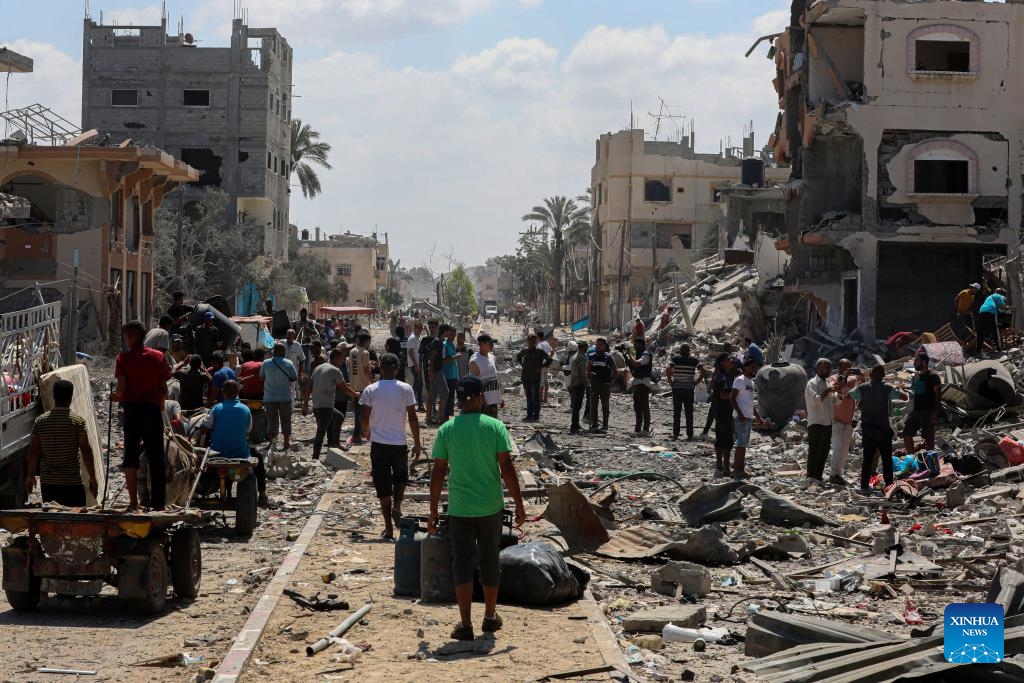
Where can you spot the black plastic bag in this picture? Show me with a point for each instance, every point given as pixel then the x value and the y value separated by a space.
pixel 966 464
pixel 535 574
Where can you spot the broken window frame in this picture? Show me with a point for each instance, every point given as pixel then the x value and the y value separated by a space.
pixel 666 183
pixel 185 96
pixel 124 90
pixel 941 150
pixel 943 33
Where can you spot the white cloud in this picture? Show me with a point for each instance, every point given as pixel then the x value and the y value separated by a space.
pixel 453 157
pixel 512 64
pixel 56 81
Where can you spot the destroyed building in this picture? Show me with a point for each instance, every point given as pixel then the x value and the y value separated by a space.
pixel 900 120
pixel 225 111
pixel 664 196
pixel 63 197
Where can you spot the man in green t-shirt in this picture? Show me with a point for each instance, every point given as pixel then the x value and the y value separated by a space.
pixel 477 450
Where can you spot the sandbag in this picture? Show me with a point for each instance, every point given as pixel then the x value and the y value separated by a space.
pixel 780 392
pixel 535 574
pixel 229 329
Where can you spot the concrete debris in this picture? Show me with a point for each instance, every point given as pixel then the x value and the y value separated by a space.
pixel 654 620
pixel 676 579
pixel 707 545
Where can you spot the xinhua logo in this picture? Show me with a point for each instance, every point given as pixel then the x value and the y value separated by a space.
pixel 973 633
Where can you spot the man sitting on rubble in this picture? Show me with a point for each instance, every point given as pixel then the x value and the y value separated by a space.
pixel 57 437
pixel 228 424
pixel 476 450
pixel 925 414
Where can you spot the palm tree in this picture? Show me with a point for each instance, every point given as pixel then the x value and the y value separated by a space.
pixel 307 147
pixel 557 217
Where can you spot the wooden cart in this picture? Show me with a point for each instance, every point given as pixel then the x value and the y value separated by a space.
pixel 74 553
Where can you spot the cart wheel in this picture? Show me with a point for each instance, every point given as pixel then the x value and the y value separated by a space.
pixel 245 506
pixel 25 601
pixel 155 578
pixel 186 563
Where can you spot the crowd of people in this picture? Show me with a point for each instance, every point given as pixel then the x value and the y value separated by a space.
pixel 181 368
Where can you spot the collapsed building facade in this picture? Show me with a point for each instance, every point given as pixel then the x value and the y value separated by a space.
pixel 650 199
pixel 225 111
pixel 900 121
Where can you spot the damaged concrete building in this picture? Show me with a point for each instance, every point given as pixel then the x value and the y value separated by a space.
pixel 662 195
pixel 901 121
pixel 225 111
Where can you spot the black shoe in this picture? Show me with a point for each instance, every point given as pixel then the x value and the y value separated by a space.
pixel 463 632
pixel 574 430
pixel 491 624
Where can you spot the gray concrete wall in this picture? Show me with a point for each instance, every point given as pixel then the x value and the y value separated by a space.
pixel 249 108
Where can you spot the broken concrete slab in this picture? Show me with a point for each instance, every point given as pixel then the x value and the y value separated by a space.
pixel 771 632
pixel 713 503
pixel 654 620
pixel 676 579
pixel 337 459
pixel 707 545
pixel 784 512
pixel 638 542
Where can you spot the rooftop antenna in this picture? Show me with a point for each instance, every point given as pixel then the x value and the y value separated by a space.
pixel 87 9
pixel 664 112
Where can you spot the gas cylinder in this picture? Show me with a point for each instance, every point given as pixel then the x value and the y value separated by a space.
pixel 437 582
pixel 407 557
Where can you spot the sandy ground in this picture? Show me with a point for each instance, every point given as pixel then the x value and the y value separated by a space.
pixel 407 640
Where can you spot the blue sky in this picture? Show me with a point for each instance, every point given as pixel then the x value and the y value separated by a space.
pixel 449 117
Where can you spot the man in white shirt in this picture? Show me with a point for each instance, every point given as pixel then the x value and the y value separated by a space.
pixel 743 414
pixel 386 405
pixel 482 365
pixel 413 346
pixel 820 398
pixel 548 344
pixel 294 352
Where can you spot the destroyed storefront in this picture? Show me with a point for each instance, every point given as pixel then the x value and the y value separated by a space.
pixel 94 202
pixel 899 120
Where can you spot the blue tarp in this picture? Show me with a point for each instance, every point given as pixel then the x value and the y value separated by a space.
pixel 581 324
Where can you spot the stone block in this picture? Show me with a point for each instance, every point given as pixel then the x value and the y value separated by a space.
pixel 681 578
pixel 339 460
pixel 654 620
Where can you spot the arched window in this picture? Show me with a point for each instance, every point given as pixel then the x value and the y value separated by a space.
pixel 942 167
pixel 943 48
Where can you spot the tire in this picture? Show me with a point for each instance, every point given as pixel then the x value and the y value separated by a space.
pixel 156 579
pixel 25 601
pixel 245 506
pixel 186 563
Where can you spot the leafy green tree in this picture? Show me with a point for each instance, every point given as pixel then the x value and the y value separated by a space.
pixel 307 149
pixel 219 256
pixel 459 293
pixel 556 218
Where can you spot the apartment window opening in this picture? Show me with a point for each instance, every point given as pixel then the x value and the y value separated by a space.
pixel 657 190
pixel 945 176
pixel 124 98
pixel 943 55
pixel 196 98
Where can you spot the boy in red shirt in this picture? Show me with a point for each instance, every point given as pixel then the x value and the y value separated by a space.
pixel 142 376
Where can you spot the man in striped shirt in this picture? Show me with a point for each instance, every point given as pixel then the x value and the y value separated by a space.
pixel 683 374
pixel 57 437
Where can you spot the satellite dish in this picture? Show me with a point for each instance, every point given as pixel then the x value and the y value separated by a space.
pixel 189 39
